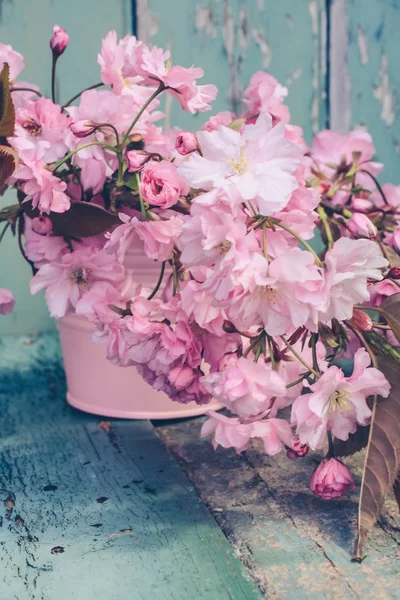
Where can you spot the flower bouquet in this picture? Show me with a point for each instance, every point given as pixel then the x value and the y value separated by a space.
pixel 297 341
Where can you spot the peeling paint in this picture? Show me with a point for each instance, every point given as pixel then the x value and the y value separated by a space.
pixel 313 8
pixel 265 49
pixel 294 75
pixel 362 45
pixel 289 20
pixel 383 93
pixel 243 28
pixel 228 36
pixel 204 20
pixel 340 85
pixel 148 24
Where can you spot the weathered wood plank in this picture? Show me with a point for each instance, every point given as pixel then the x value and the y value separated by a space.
pixel 27 26
pixel 231 39
pixel 372 68
pixel 295 545
pixel 96 513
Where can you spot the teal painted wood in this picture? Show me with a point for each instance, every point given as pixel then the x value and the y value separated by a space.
pixel 90 513
pixel 27 26
pixel 374 71
pixel 296 546
pixel 231 39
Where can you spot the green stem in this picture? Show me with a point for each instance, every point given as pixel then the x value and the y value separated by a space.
pixel 143 212
pixel 53 78
pixel 7 225
pixel 264 241
pixel 159 282
pixel 70 154
pixel 290 385
pixel 300 239
pixel 271 353
pixel 175 288
pixel 314 339
pixel 71 100
pixel 158 91
pixel 327 227
pixel 299 357
pixel 25 89
pixel 331 451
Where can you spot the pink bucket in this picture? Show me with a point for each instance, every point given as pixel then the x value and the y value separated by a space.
pixel 97 386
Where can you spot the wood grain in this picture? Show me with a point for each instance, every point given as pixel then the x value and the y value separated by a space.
pixel 92 510
pixel 295 545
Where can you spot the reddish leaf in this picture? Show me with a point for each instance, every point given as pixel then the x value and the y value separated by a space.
pixel 382 461
pixel 391 306
pixel 355 442
pixel 7 111
pixel 396 490
pixel 8 163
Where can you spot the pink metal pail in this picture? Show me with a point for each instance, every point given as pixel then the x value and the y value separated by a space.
pixel 97 386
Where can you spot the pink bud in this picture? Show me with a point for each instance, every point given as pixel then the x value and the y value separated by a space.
pixel 331 479
pixel 82 128
pixel 360 320
pixel 394 273
pixel 59 40
pixel 362 205
pixel 186 142
pixel 297 450
pixel 360 225
pixel 42 225
pixel 93 175
pixel 135 159
pixel 6 301
pixel 181 377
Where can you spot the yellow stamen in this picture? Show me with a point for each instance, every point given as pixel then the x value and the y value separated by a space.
pixel 338 401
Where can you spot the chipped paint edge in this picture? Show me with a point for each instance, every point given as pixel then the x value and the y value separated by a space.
pixel 339 84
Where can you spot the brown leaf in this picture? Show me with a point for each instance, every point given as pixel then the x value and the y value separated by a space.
pixel 391 306
pixel 81 220
pixel 391 255
pixel 8 163
pixel 355 442
pixel 396 490
pixel 7 111
pixel 382 461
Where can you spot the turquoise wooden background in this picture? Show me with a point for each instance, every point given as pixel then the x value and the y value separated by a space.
pixel 339 58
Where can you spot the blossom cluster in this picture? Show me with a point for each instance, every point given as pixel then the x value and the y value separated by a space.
pixel 244 310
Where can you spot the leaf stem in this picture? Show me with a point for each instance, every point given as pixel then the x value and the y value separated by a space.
pixel 70 154
pixel 53 77
pixel 158 91
pixel 299 357
pixel 327 227
pixel 300 239
pixel 159 282
pixel 378 185
pixel 71 100
pixel 25 89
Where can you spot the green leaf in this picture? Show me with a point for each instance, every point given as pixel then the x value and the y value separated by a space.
pixel 81 220
pixel 355 442
pixel 391 306
pixel 382 460
pixel 7 112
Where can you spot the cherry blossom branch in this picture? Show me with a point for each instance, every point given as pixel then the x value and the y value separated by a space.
pixel 158 91
pixel 71 100
pixel 299 357
pixel 304 376
pixel 71 154
pixel 327 227
pixel 364 343
pixel 25 89
pixel 300 239
pixel 378 185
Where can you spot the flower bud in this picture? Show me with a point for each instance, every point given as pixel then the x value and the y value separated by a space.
pixel 297 450
pixel 181 377
pixel 186 142
pixel 331 479
pixel 360 320
pixel 83 128
pixel 362 205
pixel 42 225
pixel 59 41
pixel 135 159
pixel 394 273
pixel 361 226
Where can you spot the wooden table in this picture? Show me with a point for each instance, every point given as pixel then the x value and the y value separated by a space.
pixel 102 510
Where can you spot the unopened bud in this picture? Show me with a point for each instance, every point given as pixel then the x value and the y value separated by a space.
pixel 83 128
pixel 186 142
pixel 361 226
pixel 360 320
pixel 229 327
pixel 135 159
pixel 297 450
pixel 59 40
pixel 394 273
pixel 42 225
pixel 362 205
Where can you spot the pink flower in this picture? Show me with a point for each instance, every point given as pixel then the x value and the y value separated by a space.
pixel 265 94
pixel 135 159
pixel 338 403
pixel 59 40
pixel 14 59
pixel 186 142
pixel 246 388
pixel 161 184
pixel 259 163
pixel 93 175
pixel 233 433
pixel 331 479
pixel 42 123
pixel 360 225
pixel 393 239
pixel 66 280
pixel 6 301
pixel 181 83
pixel 350 264
pixel 381 290
pixel 222 118
pixel 41 249
pixel 298 450
pixel 159 237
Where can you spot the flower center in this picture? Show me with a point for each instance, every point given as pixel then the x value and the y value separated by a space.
pixel 224 246
pixel 240 165
pixel 32 127
pixel 338 401
pixel 270 294
pixel 80 276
